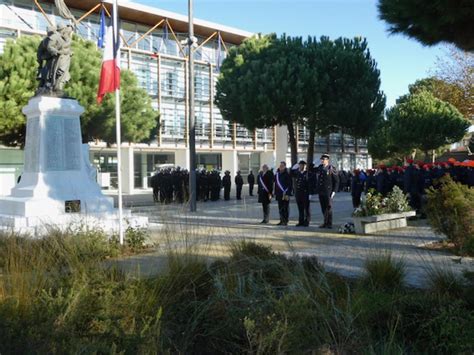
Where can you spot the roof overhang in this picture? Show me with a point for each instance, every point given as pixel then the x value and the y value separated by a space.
pixel 150 16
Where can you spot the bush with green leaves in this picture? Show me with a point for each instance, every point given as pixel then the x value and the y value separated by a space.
pixel 375 204
pixel 450 211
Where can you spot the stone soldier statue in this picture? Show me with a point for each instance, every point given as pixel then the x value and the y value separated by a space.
pixel 54 55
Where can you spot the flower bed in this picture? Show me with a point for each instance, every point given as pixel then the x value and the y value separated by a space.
pixel 377 213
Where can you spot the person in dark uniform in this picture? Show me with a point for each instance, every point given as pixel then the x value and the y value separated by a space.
pixel 265 191
pixel 382 180
pixel 155 186
pixel 357 187
pixel 226 183
pixel 251 182
pixel 327 187
pixel 371 182
pixel 239 182
pixel 283 189
pixel 300 174
pixel 411 184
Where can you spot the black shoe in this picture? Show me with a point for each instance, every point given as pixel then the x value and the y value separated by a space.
pixel 264 222
pixel 284 224
pixel 322 226
pixel 299 225
pixel 328 227
pixel 305 224
pixel 279 224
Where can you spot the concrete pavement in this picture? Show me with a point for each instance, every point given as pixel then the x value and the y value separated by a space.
pixel 211 230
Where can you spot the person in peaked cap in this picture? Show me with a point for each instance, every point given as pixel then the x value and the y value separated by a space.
pixel 283 191
pixel 302 188
pixel 327 186
pixel 226 183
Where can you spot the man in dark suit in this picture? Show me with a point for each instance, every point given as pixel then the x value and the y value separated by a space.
pixel 327 187
pixel 239 182
pixel 226 183
pixel 251 182
pixel 283 187
pixel 265 191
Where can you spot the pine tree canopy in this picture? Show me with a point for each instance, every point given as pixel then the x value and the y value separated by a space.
pixel 431 21
pixel 18 70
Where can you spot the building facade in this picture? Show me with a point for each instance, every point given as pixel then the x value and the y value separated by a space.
pixel 152 49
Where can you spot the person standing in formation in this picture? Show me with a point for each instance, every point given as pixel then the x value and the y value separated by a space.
pixel 283 189
pixel 327 187
pixel 265 191
pixel 300 174
pixel 251 182
pixel 239 182
pixel 226 183
pixel 357 187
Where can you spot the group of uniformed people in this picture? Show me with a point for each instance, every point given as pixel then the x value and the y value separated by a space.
pixel 172 185
pixel 414 178
pixel 301 181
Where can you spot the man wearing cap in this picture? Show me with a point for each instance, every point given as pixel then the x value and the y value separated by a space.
pixel 327 187
pixel 357 187
pixel 265 191
pixel 283 189
pixel 300 174
pixel 226 183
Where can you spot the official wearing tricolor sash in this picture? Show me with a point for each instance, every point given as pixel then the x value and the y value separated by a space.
pixel 283 190
pixel 265 191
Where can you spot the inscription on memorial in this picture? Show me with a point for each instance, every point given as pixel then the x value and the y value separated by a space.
pixel 54 144
pixel 32 149
pixel 72 144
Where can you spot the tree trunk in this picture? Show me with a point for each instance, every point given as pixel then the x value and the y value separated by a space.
pixel 413 154
pixel 293 144
pixel 433 157
pixel 356 145
pixel 310 154
pixel 328 143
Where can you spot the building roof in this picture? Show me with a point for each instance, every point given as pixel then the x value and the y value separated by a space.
pixel 147 15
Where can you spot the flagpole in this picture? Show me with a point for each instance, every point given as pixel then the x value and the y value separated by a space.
pixel 118 130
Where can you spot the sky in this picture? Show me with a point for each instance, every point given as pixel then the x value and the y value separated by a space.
pixel 401 60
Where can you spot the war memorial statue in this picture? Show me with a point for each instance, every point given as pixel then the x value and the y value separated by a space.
pixel 54 59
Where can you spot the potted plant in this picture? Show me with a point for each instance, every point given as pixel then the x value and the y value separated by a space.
pixel 377 213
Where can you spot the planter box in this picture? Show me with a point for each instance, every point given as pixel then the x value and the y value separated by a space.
pixel 373 224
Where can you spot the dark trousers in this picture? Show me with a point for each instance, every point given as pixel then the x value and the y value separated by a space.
pixel 239 192
pixel 415 201
pixel 266 211
pixel 284 210
pixel 356 199
pixel 226 193
pixel 155 194
pixel 326 209
pixel 304 210
pixel 251 189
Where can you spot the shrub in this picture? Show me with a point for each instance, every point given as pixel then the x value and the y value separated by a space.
pixel 450 211
pixel 383 272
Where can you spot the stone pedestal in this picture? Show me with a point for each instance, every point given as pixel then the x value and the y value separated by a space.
pixel 373 224
pixel 56 189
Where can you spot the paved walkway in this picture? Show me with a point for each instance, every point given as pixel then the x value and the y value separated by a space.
pixel 211 230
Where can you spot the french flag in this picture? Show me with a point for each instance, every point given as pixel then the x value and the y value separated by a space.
pixel 110 71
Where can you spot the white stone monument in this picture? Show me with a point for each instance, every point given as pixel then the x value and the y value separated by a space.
pixel 56 189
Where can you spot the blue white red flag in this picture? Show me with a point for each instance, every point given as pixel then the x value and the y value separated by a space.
pixel 110 71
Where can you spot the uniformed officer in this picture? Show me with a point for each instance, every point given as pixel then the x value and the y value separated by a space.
pixel 358 180
pixel 327 187
pixel 301 187
pixel 226 183
pixel 283 190
pixel 251 182
pixel 239 182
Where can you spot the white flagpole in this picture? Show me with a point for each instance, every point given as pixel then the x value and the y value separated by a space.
pixel 118 130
